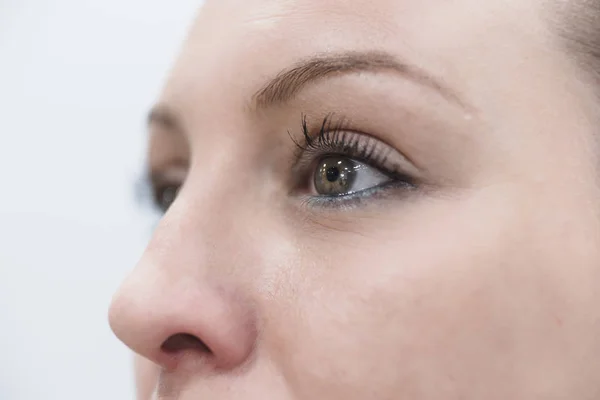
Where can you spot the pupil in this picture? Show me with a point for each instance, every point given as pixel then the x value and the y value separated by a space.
pixel 333 174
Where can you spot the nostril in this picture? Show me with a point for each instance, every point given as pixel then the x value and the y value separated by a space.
pixel 183 341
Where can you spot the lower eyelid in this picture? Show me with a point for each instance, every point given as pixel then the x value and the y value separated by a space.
pixel 361 198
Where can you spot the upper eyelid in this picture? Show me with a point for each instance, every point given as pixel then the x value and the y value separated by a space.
pixel 319 136
pixel 360 147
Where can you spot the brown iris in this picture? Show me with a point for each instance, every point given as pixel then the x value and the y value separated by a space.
pixel 335 176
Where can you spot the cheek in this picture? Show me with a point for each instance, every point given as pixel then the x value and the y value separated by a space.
pixel 452 293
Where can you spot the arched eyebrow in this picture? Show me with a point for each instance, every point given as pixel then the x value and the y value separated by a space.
pixel 288 83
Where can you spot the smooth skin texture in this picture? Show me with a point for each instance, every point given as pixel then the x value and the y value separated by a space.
pixel 480 281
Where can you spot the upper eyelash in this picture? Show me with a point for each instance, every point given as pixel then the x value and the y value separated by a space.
pixel 336 138
pixel 324 135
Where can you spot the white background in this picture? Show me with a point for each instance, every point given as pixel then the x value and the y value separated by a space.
pixel 76 78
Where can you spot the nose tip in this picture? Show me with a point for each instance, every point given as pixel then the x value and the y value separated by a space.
pixel 167 322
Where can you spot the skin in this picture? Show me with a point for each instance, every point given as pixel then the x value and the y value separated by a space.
pixel 481 282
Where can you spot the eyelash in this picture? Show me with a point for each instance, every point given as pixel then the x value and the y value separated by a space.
pixel 338 139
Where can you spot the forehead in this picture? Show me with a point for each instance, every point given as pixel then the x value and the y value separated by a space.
pixel 236 45
pixel 430 25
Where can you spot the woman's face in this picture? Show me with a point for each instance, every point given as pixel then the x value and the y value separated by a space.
pixel 385 199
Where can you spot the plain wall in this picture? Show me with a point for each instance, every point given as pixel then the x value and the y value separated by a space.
pixel 76 79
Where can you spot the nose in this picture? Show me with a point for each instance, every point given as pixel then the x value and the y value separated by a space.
pixel 175 309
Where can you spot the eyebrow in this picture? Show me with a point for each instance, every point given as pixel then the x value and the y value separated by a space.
pixel 164 117
pixel 288 83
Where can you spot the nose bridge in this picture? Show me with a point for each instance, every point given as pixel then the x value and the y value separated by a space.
pixel 217 207
pixel 191 284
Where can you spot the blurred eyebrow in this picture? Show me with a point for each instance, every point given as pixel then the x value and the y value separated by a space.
pixel 290 82
pixel 163 117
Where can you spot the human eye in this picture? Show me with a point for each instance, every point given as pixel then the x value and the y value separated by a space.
pixel 163 195
pixel 340 167
pixel 157 191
